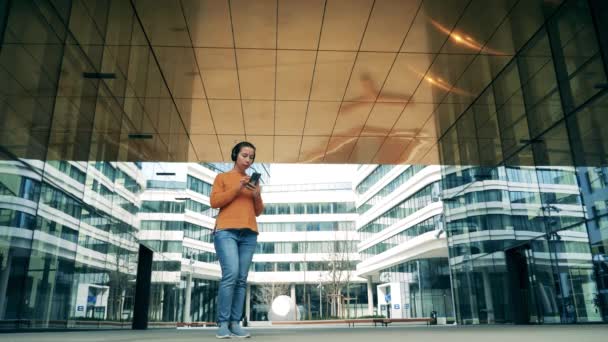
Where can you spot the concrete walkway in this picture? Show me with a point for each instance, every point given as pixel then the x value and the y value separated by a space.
pixel 581 333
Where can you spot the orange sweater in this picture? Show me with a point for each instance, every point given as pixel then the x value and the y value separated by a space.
pixel 238 207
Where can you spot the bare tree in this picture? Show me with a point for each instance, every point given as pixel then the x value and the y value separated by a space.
pixel 339 276
pixel 264 294
pixel 120 275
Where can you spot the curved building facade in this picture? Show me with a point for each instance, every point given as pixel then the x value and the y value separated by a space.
pixel 403 248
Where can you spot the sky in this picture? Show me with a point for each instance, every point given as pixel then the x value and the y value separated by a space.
pixel 311 173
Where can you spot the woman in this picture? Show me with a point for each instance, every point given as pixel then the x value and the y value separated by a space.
pixel 235 237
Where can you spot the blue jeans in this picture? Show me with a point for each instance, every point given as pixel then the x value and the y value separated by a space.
pixel 234 248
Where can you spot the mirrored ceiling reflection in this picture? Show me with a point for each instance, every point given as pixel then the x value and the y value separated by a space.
pixel 385 81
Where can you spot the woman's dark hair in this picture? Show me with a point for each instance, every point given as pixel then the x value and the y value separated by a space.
pixel 238 147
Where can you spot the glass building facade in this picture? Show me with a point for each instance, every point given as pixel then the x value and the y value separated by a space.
pixel 402 248
pixel 426 283
pixel 525 228
pixel 68 243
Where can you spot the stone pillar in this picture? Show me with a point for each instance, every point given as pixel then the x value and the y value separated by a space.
pixel 370 297
pixel 188 298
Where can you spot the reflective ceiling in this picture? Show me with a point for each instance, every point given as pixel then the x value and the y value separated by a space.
pixel 337 81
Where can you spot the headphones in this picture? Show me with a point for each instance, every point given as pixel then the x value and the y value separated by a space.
pixel 237 148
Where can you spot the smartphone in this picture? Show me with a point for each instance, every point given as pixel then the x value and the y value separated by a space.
pixel 255 178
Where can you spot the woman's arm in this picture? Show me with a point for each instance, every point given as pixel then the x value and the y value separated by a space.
pixel 221 194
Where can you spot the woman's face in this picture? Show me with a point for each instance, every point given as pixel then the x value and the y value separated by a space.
pixel 245 157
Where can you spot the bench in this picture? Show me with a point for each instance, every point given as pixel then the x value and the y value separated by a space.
pixel 196 324
pixel 351 322
pixel 386 321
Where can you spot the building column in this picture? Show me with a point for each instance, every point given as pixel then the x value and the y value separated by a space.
pixel 487 291
pixel 293 300
pixel 248 303
pixel 4 8
pixel 141 304
pixel 4 275
pixel 370 297
pixel 188 298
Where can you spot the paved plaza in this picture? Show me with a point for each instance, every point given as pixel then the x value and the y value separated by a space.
pixel 579 333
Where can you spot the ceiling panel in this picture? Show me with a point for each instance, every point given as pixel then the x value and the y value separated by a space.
pixel 382 119
pixel 254 23
pixel 142 149
pixel 416 150
pixel 431 157
pixel 433 25
pixel 108 115
pixel 256 73
pixel 321 117
pixel 286 148
pixel 218 70
pixel 446 114
pixel 412 119
pixel 365 149
pixel 294 74
pixel 209 22
pixel 388 24
pixel 440 78
pixel 352 118
pixel 331 75
pixel 191 156
pixel 476 78
pixel 290 117
pixel 476 26
pixel 391 150
pixel 368 76
pixel 339 149
pixel 180 71
pixel 177 123
pixel 163 22
pixel 405 76
pixel 179 145
pixel 227 142
pixel 313 149
pixel 429 128
pixel 137 117
pixel 196 116
pixel 307 81
pixel 163 115
pixel 344 24
pixel 264 147
pixel 259 117
pixel 300 24
pixel 227 116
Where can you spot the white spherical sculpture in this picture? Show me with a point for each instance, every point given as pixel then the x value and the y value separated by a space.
pixel 282 309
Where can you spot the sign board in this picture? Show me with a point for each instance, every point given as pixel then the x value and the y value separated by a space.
pixel 406 306
pixel 80 308
pixel 387 297
pixel 396 306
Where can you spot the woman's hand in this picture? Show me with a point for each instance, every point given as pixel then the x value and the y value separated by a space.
pixel 257 191
pixel 244 181
pixel 254 188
